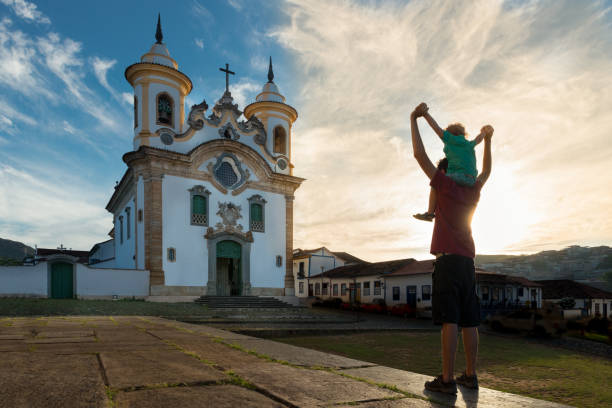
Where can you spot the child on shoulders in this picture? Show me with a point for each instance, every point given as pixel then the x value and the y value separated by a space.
pixel 461 158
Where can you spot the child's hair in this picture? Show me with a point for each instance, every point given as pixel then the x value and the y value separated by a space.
pixel 443 165
pixel 456 129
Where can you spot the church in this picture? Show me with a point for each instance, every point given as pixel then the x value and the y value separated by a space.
pixel 206 202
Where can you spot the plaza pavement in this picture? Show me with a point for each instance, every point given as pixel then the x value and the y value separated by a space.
pixel 152 362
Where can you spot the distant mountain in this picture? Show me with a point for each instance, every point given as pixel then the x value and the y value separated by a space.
pixel 578 263
pixel 14 250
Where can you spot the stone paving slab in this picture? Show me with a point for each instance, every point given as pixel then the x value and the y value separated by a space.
pixel 12 337
pixel 61 340
pixel 399 403
pixel 218 396
pixel 156 362
pixel 30 380
pixel 298 355
pixel 140 368
pixel 304 387
pixel 414 383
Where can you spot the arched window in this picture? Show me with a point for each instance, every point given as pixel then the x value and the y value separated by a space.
pixel 199 205
pixel 280 140
pixel 257 213
pixel 165 110
pixel 135 112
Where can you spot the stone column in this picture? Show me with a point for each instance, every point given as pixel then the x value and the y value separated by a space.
pixel 289 281
pixel 154 250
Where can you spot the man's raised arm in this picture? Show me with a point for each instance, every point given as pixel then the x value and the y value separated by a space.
pixel 486 160
pixel 417 144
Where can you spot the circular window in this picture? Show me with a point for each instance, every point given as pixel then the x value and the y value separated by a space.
pixel 282 164
pixel 166 138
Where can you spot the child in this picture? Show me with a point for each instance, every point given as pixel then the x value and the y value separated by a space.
pixel 461 158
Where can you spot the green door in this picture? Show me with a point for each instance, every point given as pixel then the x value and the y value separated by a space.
pixel 229 273
pixel 61 280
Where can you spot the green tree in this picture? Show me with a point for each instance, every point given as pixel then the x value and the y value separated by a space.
pixel 607 276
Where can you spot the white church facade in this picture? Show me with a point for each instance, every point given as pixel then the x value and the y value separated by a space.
pixel 206 203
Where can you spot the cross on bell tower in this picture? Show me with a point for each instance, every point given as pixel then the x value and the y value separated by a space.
pixel 227 74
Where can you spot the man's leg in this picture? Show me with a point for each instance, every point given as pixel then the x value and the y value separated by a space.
pixel 449 349
pixel 433 200
pixel 470 345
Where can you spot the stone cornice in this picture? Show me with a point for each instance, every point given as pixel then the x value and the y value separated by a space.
pixel 155 161
pixel 254 107
pixel 138 69
pixel 123 188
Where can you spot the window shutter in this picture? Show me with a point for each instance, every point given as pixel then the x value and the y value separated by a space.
pixel 256 213
pixel 199 204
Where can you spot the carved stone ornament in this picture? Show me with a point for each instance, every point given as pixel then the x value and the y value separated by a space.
pixel 227 131
pixel 230 214
pixel 225 103
pixel 195 120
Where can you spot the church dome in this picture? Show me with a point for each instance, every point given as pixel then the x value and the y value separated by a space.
pixel 159 54
pixel 270 91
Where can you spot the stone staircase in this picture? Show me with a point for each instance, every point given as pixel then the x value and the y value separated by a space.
pixel 242 302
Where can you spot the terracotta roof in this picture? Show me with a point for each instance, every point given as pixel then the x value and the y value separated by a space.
pixel 365 269
pixel 414 268
pixel 43 253
pixel 562 288
pixel 348 257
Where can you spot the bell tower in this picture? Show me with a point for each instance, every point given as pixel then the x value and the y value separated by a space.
pixel 159 92
pixel 278 118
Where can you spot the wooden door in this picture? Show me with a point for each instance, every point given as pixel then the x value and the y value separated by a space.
pixel 61 281
pixel 411 295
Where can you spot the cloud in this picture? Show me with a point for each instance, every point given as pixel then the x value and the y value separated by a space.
pixel 259 63
pixel 62 58
pixel 9 112
pixel 199 43
pixel 236 4
pixel 524 67
pixel 17 62
pixel 101 67
pixel 128 98
pixel 200 11
pixel 34 209
pixel 244 91
pixel 26 10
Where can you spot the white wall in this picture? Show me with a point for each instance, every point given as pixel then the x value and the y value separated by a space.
pixel 24 280
pixel 89 282
pixel 409 280
pixel 105 252
pixel 191 265
pixel 126 250
pixel 98 282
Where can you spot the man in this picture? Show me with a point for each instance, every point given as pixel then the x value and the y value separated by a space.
pixel 454 300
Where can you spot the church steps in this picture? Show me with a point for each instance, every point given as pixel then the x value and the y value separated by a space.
pixel 242 302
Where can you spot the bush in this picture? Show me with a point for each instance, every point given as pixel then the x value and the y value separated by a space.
pixel 598 325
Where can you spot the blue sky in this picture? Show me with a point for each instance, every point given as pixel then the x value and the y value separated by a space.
pixel 538 71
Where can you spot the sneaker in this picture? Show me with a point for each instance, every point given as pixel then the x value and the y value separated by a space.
pixel 425 216
pixel 468 381
pixel 438 385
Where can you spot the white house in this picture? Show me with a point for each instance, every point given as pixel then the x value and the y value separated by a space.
pixel 206 202
pixel 591 301
pixel 310 262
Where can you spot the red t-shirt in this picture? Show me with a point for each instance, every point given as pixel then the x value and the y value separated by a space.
pixel 452 232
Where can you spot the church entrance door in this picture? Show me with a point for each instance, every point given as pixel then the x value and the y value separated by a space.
pixel 229 270
pixel 61 280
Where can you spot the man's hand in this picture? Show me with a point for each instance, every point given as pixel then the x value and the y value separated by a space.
pixel 487 130
pixel 419 110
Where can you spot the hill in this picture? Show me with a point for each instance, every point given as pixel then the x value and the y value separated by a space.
pixel 14 250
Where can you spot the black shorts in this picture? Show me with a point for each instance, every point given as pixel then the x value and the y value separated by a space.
pixel 454 298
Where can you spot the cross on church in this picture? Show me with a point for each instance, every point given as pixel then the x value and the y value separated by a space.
pixel 227 74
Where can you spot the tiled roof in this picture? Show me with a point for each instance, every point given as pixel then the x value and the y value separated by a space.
pixel 562 288
pixel 43 253
pixel 365 269
pixel 348 258
pixel 414 268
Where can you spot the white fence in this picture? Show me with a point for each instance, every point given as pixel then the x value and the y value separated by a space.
pixel 88 283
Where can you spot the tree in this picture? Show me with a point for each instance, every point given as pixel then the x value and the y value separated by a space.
pixel 567 303
pixel 607 276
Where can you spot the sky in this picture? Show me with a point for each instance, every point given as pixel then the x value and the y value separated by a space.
pixel 538 71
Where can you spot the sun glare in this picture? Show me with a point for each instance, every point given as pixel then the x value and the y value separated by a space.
pixel 503 217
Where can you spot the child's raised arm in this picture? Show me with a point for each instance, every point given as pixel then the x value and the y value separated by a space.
pixel 434 125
